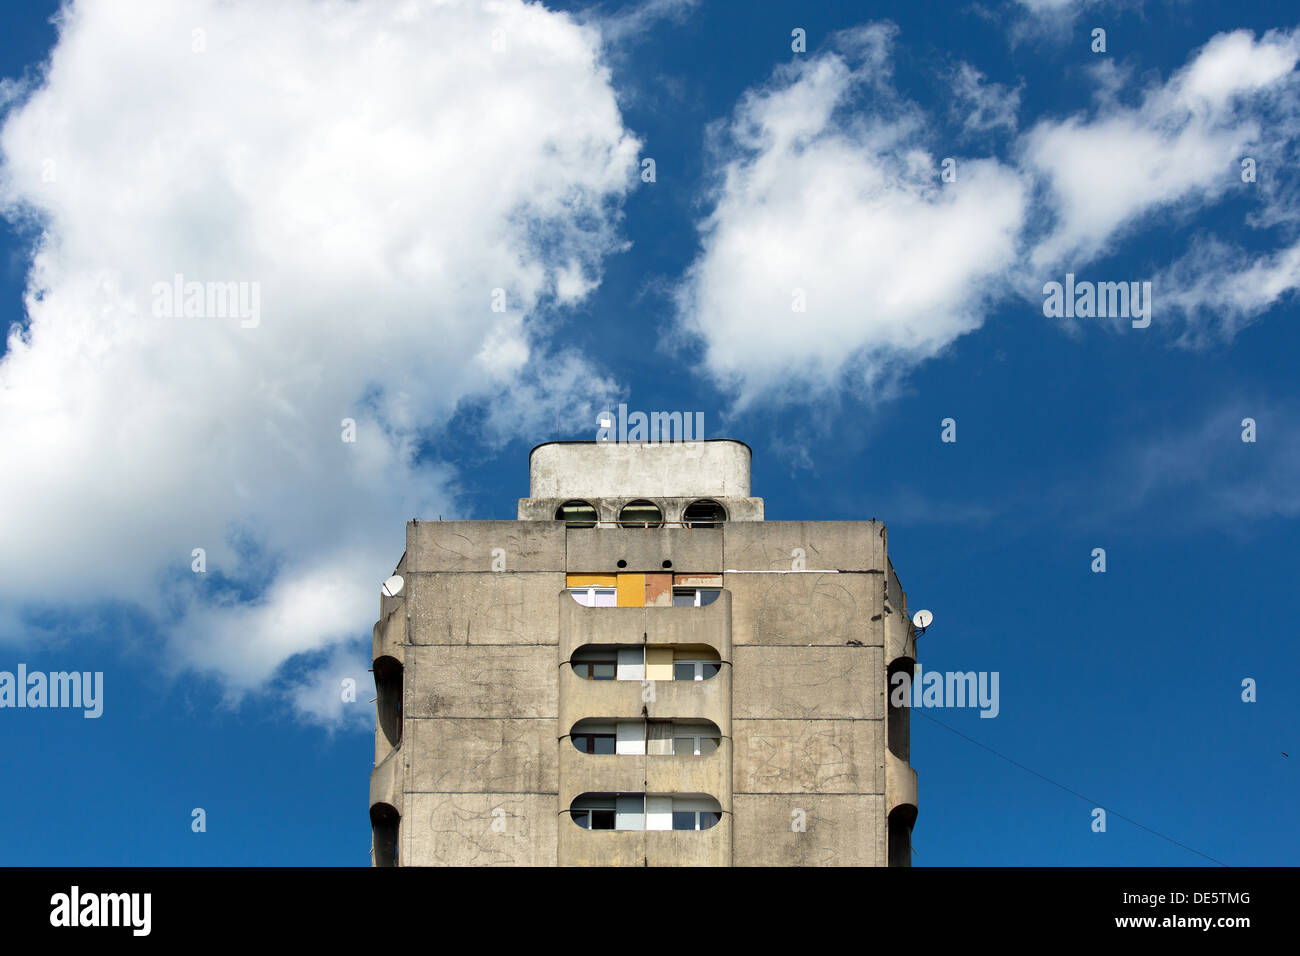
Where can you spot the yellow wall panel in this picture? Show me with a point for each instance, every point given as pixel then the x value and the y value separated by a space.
pixel 631 590
pixel 658 663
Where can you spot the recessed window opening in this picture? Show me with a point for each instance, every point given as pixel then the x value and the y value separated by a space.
pixel 384 823
pixel 577 514
pixel 595 663
pixel 645 811
pixel 695 597
pixel 638 662
pixel 388 698
pixel 695 745
pixel 641 514
pixel 595 596
pixel 645 737
pixel 695 669
pixel 705 513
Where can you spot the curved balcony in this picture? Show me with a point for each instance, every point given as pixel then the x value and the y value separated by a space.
pixel 656 773
pixel 683 699
pixel 580 846
pixel 709 625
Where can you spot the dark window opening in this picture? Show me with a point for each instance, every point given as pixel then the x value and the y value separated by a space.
pixel 900 835
pixel 641 514
pixel 388 698
pixel 384 822
pixel 695 597
pixel 596 670
pixel 577 514
pixel 594 743
pixel 704 514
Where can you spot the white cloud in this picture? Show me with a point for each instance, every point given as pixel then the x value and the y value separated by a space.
pixel 981 104
pixel 634 20
pixel 1179 146
pixel 849 209
pixel 322 696
pixel 378 169
pixel 1218 289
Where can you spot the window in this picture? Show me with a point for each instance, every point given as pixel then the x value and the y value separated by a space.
pixel 640 811
pixel 695 746
pixel 595 663
pixel 595 597
pixel 704 514
pixel 641 514
pixel 577 514
pixel 695 670
pixel 594 743
pixel 695 597
pixel 594 819
pixel 595 670
pixel 639 662
pixel 695 819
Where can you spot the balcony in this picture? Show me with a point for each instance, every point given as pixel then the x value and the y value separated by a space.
pixel 579 847
pixel 703 699
pixel 709 625
pixel 633 773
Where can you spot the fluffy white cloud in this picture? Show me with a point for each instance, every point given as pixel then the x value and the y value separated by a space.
pixel 377 170
pixel 323 697
pixel 1219 289
pixel 841 207
pixel 1181 145
pixel 981 104
pixel 825 186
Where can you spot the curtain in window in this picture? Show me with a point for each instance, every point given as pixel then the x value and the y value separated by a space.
pixel 659 739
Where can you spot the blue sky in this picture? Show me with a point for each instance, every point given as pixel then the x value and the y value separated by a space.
pixel 378 185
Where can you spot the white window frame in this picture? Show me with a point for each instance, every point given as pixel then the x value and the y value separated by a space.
pixel 590 594
pixel 695 740
pixel 697 592
pixel 696 814
pixel 699 667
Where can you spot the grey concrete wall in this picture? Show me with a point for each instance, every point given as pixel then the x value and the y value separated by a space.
pixel 809 756
pixel 483 755
pixel 485 607
pixel 444 546
pixel 703 469
pixel 479 829
pixel 579 847
pixel 472 681
pixel 840 830
pixel 809 683
pixel 806 608
pixel 598 550
pixel 825 545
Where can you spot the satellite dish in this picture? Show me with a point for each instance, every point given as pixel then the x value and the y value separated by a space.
pixel 393 586
pixel 922 619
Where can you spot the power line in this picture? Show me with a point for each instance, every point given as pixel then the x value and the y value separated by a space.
pixel 1062 786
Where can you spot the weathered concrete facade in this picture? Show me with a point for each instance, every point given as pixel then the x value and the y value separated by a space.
pixel 630 675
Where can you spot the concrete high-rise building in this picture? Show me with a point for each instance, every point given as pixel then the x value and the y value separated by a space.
pixel 641 670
